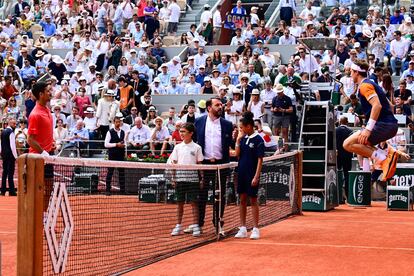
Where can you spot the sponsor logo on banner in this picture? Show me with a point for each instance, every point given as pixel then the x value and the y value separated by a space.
pixel 292 185
pixel 399 197
pixel 234 21
pixel 312 199
pixel 404 180
pixel 59 248
pixel 358 190
pixel 331 180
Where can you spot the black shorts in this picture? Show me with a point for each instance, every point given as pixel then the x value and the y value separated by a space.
pixel 191 189
pixel 245 187
pixel 382 132
pixel 172 27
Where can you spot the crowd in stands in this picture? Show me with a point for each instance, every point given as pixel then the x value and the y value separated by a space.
pixel 115 61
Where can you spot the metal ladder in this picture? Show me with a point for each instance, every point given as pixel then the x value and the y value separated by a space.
pixel 317 141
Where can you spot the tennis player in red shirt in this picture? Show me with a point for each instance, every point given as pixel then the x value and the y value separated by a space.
pixel 40 121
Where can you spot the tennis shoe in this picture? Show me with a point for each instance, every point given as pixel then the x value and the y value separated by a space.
pixel 190 228
pixel 389 165
pixel 196 231
pixel 255 235
pixel 242 233
pixel 177 230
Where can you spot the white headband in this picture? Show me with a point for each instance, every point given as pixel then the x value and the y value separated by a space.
pixel 357 68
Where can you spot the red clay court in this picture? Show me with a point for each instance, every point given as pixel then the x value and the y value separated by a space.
pixel 344 241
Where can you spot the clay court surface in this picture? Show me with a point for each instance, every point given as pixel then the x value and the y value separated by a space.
pixel 345 241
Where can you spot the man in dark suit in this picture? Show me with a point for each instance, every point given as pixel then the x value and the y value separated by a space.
pixel 23 56
pixel 9 156
pixel 19 7
pixel 344 158
pixel 214 135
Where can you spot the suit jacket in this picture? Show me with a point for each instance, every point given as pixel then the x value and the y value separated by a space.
pixel 226 137
pixel 17 11
pixel 342 132
pixel 20 61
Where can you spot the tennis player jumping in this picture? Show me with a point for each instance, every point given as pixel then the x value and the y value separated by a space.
pixel 381 126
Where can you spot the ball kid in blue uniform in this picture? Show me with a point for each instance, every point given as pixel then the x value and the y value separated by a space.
pixel 250 151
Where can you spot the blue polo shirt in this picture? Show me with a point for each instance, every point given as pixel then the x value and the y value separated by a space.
pixel 48 28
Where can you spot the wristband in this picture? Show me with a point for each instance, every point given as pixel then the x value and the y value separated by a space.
pixel 370 125
pixel 44 153
pixel 237 145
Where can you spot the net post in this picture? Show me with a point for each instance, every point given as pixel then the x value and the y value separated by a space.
pixel 218 216
pixel 299 180
pixel 30 215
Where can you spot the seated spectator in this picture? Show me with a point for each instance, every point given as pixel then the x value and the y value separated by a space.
pixel 159 138
pixel 403 93
pixel 192 88
pixel 174 88
pixel 287 38
pixel 355 104
pixel 78 136
pixel 164 76
pixel 175 135
pixel 139 136
pixel 60 134
pixel 191 114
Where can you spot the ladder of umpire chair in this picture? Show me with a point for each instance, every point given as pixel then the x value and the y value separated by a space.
pixel 317 141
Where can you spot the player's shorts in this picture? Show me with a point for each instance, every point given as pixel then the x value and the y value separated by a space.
pixel 382 132
pixel 191 189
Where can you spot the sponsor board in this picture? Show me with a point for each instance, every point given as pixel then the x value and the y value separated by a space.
pixel 400 197
pixel 313 201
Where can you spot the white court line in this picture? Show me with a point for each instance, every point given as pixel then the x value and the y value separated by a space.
pixel 368 221
pixel 327 245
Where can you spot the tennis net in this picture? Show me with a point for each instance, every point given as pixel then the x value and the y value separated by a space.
pixel 86 223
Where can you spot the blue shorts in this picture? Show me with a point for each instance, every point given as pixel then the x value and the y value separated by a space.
pixel 382 132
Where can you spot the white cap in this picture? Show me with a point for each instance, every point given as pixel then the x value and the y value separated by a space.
pixel 357 45
pixel 207 79
pixel 177 59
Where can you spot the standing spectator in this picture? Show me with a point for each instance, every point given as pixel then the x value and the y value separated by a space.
pixel 344 158
pixel 266 96
pixel 217 23
pixel 174 17
pixel 115 143
pixel 282 109
pixel 214 135
pixel 9 156
pixel 288 11
pixel 125 96
pixel 238 9
pixel 250 151
pixel 151 25
pixel 103 112
pixel 117 19
pixel 398 49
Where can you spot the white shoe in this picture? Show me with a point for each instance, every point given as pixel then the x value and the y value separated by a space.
pixel 255 235
pixel 242 233
pixel 177 230
pixel 190 228
pixel 196 231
